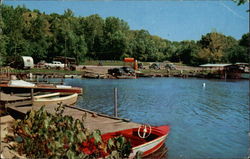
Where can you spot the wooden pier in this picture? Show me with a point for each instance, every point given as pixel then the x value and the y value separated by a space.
pixel 92 119
pixel 12 100
pixel 17 107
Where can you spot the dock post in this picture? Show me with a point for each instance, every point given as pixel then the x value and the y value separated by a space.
pixel 115 102
pixel 32 94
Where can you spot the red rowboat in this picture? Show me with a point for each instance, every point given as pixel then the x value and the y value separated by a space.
pixel 146 139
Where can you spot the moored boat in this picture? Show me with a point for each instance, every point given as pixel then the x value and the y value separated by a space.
pixel 23 86
pixel 145 139
pixel 54 99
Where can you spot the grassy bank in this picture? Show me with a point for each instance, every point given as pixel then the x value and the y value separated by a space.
pixel 45 71
pixel 118 63
pixel 101 72
pixel 103 63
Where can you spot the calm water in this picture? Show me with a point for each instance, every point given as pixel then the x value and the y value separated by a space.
pixel 210 122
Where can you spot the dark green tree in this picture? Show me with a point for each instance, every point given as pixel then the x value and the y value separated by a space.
pixel 238 54
pixel 212 47
pixel 115 35
pixel 92 28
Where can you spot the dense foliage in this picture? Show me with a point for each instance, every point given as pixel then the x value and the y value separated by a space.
pixel 42 36
pixel 44 135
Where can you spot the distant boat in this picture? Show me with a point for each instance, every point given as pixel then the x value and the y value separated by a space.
pixel 55 99
pixel 146 139
pixel 23 86
pixel 126 77
pixel 72 76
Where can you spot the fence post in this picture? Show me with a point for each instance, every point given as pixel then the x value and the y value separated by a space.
pixel 115 102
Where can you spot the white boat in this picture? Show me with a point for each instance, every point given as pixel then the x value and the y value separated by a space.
pixel 55 99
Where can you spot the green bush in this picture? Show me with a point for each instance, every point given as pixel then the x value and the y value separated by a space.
pixel 45 135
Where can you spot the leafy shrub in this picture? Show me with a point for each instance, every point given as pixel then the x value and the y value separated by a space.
pixel 45 135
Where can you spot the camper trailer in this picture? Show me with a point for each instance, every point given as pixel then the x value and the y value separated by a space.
pixel 28 62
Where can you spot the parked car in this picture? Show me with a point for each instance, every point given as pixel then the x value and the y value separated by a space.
pixel 54 64
pixel 116 71
pixel 170 66
pixel 128 70
pixel 155 66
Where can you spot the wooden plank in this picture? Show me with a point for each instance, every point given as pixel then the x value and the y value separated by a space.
pixel 92 121
pixel 7 97
pixel 19 103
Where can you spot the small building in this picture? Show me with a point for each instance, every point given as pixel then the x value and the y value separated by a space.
pixel 28 62
pixel 243 66
pixel 215 66
pixel 224 70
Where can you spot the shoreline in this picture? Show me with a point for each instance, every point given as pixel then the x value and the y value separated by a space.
pixel 101 72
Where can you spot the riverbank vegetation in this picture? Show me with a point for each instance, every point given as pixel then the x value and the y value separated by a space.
pixel 44 36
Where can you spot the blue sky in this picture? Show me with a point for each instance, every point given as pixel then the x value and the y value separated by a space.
pixel 172 20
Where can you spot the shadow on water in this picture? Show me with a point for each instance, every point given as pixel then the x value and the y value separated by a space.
pixel 162 153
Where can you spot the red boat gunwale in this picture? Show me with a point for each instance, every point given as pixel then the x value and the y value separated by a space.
pixel 46 88
pixel 148 145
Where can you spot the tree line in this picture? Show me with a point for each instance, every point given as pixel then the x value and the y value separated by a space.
pixel 44 36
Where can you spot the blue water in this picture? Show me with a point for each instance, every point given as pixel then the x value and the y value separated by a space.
pixel 206 122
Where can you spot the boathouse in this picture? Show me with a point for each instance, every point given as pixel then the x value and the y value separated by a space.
pixel 225 71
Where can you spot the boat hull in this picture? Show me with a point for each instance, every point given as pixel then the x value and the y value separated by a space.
pixel 148 145
pixel 45 100
pixel 149 148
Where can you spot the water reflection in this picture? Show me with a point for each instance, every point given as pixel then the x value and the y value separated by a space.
pixel 162 153
pixel 205 123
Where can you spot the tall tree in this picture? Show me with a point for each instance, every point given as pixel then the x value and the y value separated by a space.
pixel 92 27
pixel 115 35
pixel 212 45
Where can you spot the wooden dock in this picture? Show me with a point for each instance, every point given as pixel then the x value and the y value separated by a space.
pixel 17 107
pixel 92 121
pixel 12 100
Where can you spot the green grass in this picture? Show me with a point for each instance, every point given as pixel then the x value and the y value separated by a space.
pixel 104 62
pixel 119 63
pixel 49 71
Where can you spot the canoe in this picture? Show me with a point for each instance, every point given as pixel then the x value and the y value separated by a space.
pixel 146 139
pixel 55 99
pixel 21 86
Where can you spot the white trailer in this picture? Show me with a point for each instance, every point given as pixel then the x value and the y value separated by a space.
pixel 28 62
